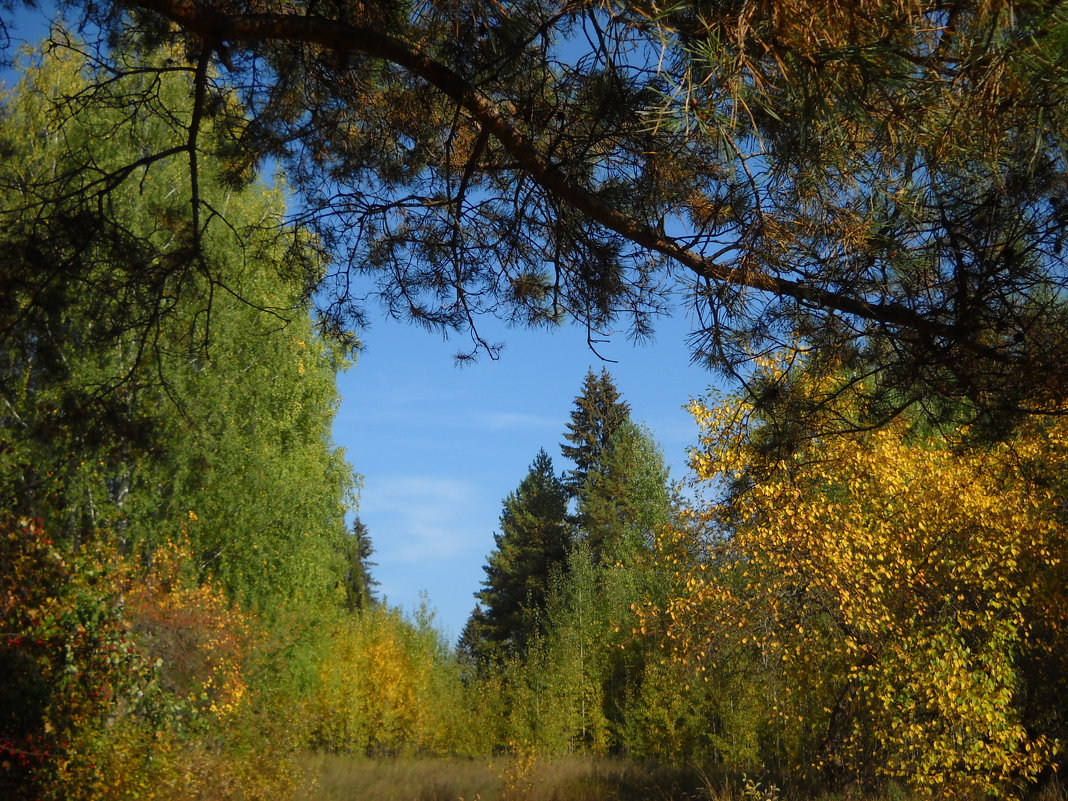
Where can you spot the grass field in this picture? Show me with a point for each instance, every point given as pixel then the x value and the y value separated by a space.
pixel 577 778
pixel 346 778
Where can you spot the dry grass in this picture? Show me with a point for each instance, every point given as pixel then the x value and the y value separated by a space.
pixel 348 778
pixel 342 778
pixel 574 778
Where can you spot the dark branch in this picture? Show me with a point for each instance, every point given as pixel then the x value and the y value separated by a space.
pixel 215 26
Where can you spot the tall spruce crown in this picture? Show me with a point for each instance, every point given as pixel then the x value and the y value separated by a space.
pixel 598 413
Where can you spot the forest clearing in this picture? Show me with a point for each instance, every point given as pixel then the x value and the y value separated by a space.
pixel 860 588
pixel 337 778
pixel 575 778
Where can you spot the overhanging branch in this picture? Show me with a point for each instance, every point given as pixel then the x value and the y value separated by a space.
pixel 214 26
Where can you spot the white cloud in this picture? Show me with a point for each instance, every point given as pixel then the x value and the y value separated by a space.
pixel 432 534
pixel 414 519
pixel 499 421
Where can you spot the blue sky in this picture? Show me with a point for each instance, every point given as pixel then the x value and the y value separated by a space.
pixel 440 446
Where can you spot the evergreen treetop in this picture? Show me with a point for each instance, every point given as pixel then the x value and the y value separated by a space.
pixel 598 412
pixel 359 584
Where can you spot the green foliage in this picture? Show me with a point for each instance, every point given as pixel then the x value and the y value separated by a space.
pixel 577 683
pixel 623 504
pixel 219 416
pixel 597 414
pixel 531 545
pixel 359 585
pixel 172 384
pixel 625 498
pixel 573 657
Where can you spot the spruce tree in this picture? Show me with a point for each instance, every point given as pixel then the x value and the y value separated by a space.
pixel 359 585
pixel 598 412
pixel 620 483
pixel 624 505
pixel 531 546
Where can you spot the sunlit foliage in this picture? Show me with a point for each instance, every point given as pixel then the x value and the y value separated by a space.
pixel 389 685
pixel 159 638
pixel 114 677
pixel 887 582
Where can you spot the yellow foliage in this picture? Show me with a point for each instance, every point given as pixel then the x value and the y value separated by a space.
pixel 516 775
pixel 385 687
pixel 886 581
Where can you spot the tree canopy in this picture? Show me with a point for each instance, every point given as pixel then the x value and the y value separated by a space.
pixel 891 597
pixel 172 509
pixel 881 180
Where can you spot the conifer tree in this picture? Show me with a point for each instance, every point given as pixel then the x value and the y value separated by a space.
pixel 623 504
pixel 531 546
pixel 598 412
pixel 359 585
pixel 817 188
